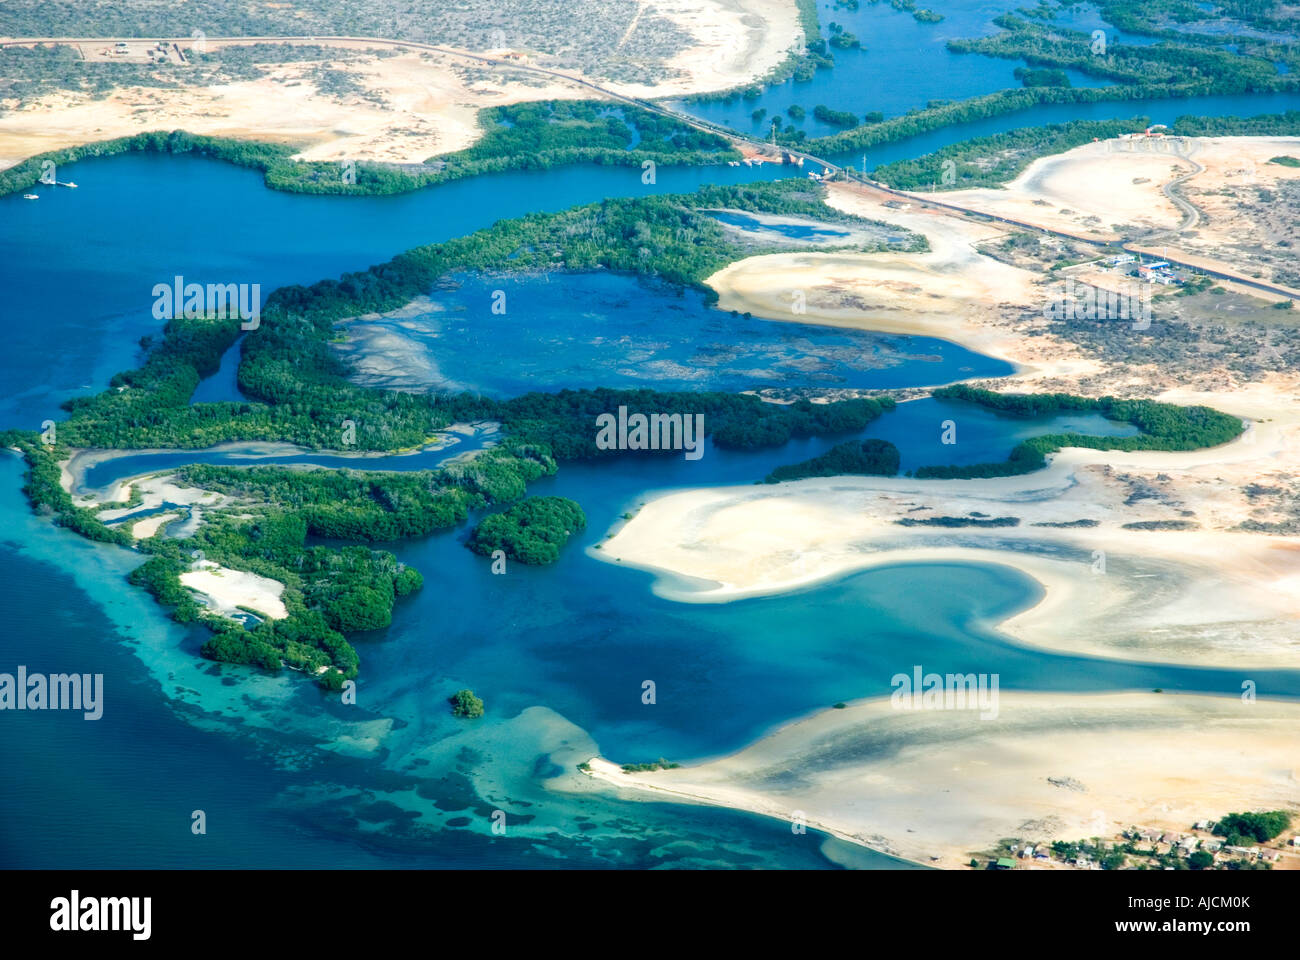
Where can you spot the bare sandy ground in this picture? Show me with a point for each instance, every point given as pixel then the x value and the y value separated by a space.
pixel 952 292
pixel 1088 190
pixel 736 41
pixel 938 786
pixel 1114 189
pixel 229 590
pixel 424 104
pixel 145 528
pixel 426 107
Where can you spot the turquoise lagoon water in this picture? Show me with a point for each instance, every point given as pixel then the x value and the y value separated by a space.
pixel 289 777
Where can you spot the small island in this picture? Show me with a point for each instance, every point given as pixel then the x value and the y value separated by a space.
pixel 532 531
pixel 465 704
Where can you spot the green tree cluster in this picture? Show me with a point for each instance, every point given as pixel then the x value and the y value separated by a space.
pixel 532 531
pixel 1245 829
pixel 464 704
pixel 856 457
pixel 1163 426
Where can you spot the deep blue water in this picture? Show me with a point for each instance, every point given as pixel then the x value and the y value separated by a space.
pixel 224 384
pixel 918 428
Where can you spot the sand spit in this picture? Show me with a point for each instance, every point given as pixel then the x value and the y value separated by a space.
pixel 937 786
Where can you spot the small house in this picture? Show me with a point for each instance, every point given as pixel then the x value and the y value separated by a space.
pixel 1004 863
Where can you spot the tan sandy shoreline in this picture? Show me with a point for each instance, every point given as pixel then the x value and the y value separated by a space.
pixel 1210 596
pixel 937 786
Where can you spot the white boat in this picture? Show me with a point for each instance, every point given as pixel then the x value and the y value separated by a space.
pixel 31 196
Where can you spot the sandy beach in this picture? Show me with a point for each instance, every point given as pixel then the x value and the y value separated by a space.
pixel 229 590
pixel 939 786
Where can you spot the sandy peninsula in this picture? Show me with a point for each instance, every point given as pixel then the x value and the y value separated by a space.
pixel 146 527
pixel 938 786
pixel 952 292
